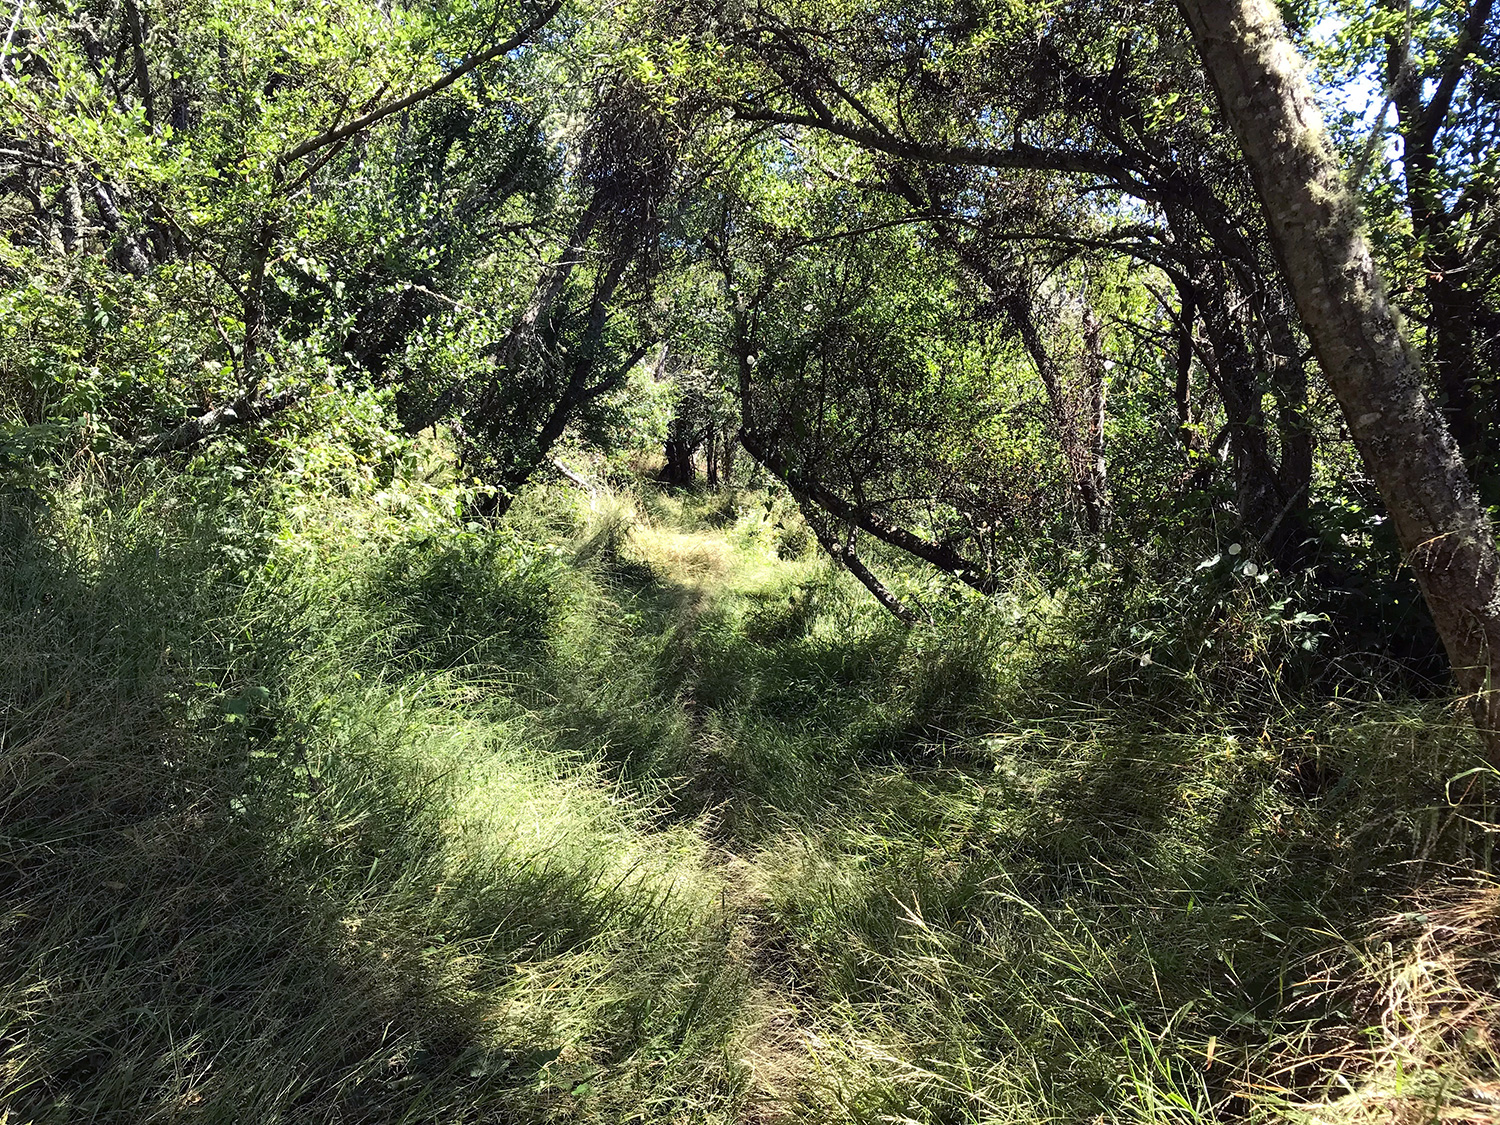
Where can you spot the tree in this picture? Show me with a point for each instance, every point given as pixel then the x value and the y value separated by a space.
pixel 967 111
pixel 590 318
pixel 865 385
pixel 1433 213
pixel 197 147
pixel 1315 227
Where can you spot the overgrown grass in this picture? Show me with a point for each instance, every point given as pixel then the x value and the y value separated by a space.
pixel 259 869
pixel 320 805
pixel 1004 871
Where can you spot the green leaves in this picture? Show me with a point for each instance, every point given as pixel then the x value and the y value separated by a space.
pixel 239 708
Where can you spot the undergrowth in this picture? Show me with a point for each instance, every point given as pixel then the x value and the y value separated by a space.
pixel 322 804
pixel 267 857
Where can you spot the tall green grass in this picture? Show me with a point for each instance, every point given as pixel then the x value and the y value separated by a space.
pixel 319 804
pixel 1005 870
pixel 267 857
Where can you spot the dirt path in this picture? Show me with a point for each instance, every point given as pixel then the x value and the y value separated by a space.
pixel 700 569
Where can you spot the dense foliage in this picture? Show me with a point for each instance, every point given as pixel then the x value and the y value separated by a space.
pixel 744 561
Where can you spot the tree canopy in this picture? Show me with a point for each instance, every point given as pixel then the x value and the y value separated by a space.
pixel 973 282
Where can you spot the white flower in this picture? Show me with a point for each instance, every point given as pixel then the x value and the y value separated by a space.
pixel 1251 570
pixel 1145 659
pixel 1235 548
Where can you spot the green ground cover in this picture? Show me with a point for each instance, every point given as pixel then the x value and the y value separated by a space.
pixel 317 804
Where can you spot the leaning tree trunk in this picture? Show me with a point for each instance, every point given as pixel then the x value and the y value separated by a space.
pixel 1315 228
pixel 1078 419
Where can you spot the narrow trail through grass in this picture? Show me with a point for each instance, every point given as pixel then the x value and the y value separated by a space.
pixel 667 581
pixel 323 808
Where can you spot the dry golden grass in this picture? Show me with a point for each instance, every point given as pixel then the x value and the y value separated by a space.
pixel 1423 1043
pixel 687 558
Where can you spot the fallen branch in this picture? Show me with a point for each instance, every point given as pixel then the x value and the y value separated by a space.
pixel 242 411
pixel 843 553
pixel 940 555
pixel 572 476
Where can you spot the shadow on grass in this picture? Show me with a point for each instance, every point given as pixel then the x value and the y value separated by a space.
pixel 1098 902
pixel 232 885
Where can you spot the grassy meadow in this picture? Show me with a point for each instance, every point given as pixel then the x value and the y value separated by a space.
pixel 318 804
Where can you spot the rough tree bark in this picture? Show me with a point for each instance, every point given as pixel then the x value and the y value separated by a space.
pixel 1314 220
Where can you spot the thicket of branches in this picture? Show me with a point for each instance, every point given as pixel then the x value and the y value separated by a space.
pixel 972 282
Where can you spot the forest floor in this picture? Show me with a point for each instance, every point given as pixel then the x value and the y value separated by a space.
pixel 331 808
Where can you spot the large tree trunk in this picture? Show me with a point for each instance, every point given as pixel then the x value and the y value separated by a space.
pixel 1314 221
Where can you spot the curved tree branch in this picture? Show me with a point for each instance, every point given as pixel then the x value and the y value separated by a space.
pixel 242 411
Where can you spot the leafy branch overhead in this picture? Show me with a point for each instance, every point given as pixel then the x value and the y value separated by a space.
pixel 961 281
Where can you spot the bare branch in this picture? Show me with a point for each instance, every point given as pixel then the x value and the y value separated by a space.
pixel 1021 157
pixel 242 411
pixel 10 37
pixel 1438 105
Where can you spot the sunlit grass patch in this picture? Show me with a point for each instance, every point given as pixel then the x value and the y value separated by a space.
pixel 686 558
pixel 259 869
pixel 323 808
